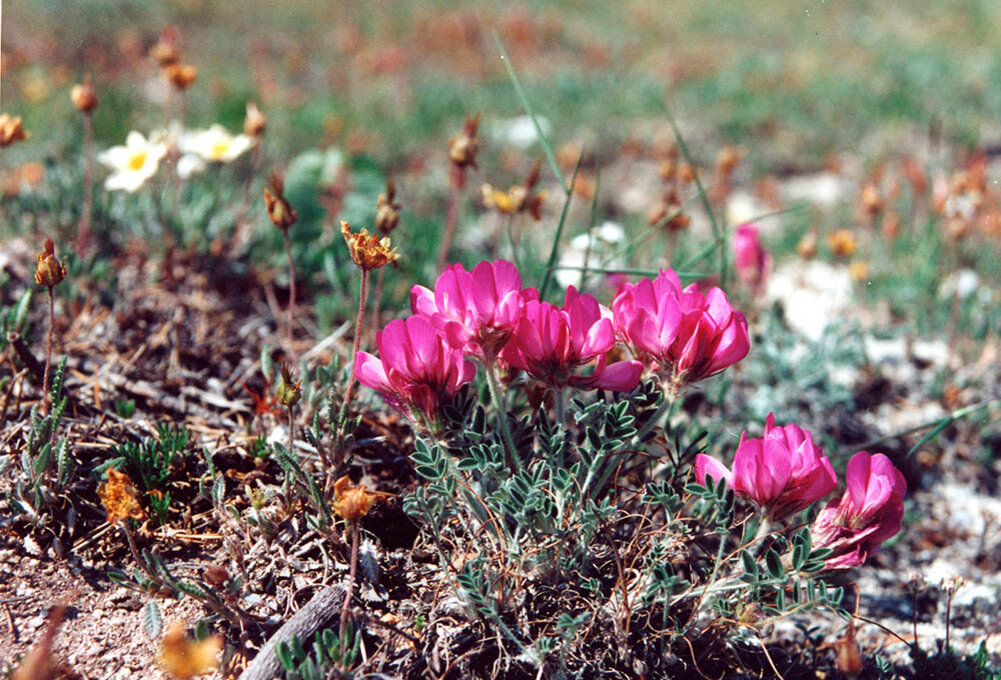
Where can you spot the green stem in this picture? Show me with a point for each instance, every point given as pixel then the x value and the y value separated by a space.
pixel 291 291
pixel 500 404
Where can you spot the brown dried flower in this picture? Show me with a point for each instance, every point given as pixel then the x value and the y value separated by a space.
pixel 83 96
pixel 463 147
pixel 517 199
pixel 183 658
pixel 165 52
pixel 255 122
pixel 49 271
pixel 119 497
pixel 368 251
pixel 354 502
pixel 181 76
pixel 279 209
pixel 807 247
pixel 387 210
pixel 11 130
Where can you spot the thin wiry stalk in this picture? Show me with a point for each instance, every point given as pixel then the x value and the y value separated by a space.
pixel 357 340
pixel 291 291
pixel 351 579
pixel 46 386
pixel 377 304
pixel 450 219
pixel 83 232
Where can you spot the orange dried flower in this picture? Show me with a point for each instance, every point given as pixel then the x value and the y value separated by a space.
pixel 842 243
pixel 279 209
pixel 49 271
pixel 165 52
pixel 368 251
pixel 255 122
pixel 83 96
pixel 859 271
pixel 387 210
pixel 11 130
pixel 727 160
pixel 354 502
pixel 183 658
pixel 871 201
pixel 181 76
pixel 119 497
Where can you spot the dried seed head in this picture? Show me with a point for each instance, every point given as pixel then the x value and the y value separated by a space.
pixel 842 243
pixel 183 658
pixel 119 497
pixel 83 96
pixel 288 391
pixel 279 209
pixel 165 51
pixel 181 76
pixel 387 211
pixel 255 122
pixel 354 502
pixel 48 270
pixel 463 147
pixel 848 653
pixel 216 575
pixel 807 247
pixel 368 251
pixel 11 130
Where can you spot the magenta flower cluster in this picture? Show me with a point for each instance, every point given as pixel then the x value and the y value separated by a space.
pixel 486 314
pixel 784 472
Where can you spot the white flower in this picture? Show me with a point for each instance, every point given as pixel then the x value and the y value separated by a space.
pixel 215 144
pixel 189 165
pixel 131 165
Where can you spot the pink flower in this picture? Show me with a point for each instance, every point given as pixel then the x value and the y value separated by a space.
pixel 869 512
pixel 550 343
pixel 416 370
pixel 475 311
pixel 750 259
pixel 783 471
pixel 684 334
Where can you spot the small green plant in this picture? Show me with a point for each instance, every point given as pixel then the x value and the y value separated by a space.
pixel 150 463
pixel 331 656
pixel 125 408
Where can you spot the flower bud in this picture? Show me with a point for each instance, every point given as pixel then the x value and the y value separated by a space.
pixel 279 209
pixel 83 96
pixel 462 148
pixel 49 271
pixel 255 122
pixel 288 391
pixel 181 76
pixel 11 130
pixel 387 211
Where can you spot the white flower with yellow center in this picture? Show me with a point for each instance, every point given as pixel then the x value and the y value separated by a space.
pixel 134 163
pixel 216 144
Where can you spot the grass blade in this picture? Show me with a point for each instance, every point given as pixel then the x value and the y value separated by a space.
pixel 546 147
pixel 551 262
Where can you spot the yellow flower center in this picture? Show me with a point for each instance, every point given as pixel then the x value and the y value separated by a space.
pixel 137 160
pixel 218 150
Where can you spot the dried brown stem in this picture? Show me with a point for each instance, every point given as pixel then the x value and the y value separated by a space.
pixel 453 213
pixel 357 340
pixel 353 526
